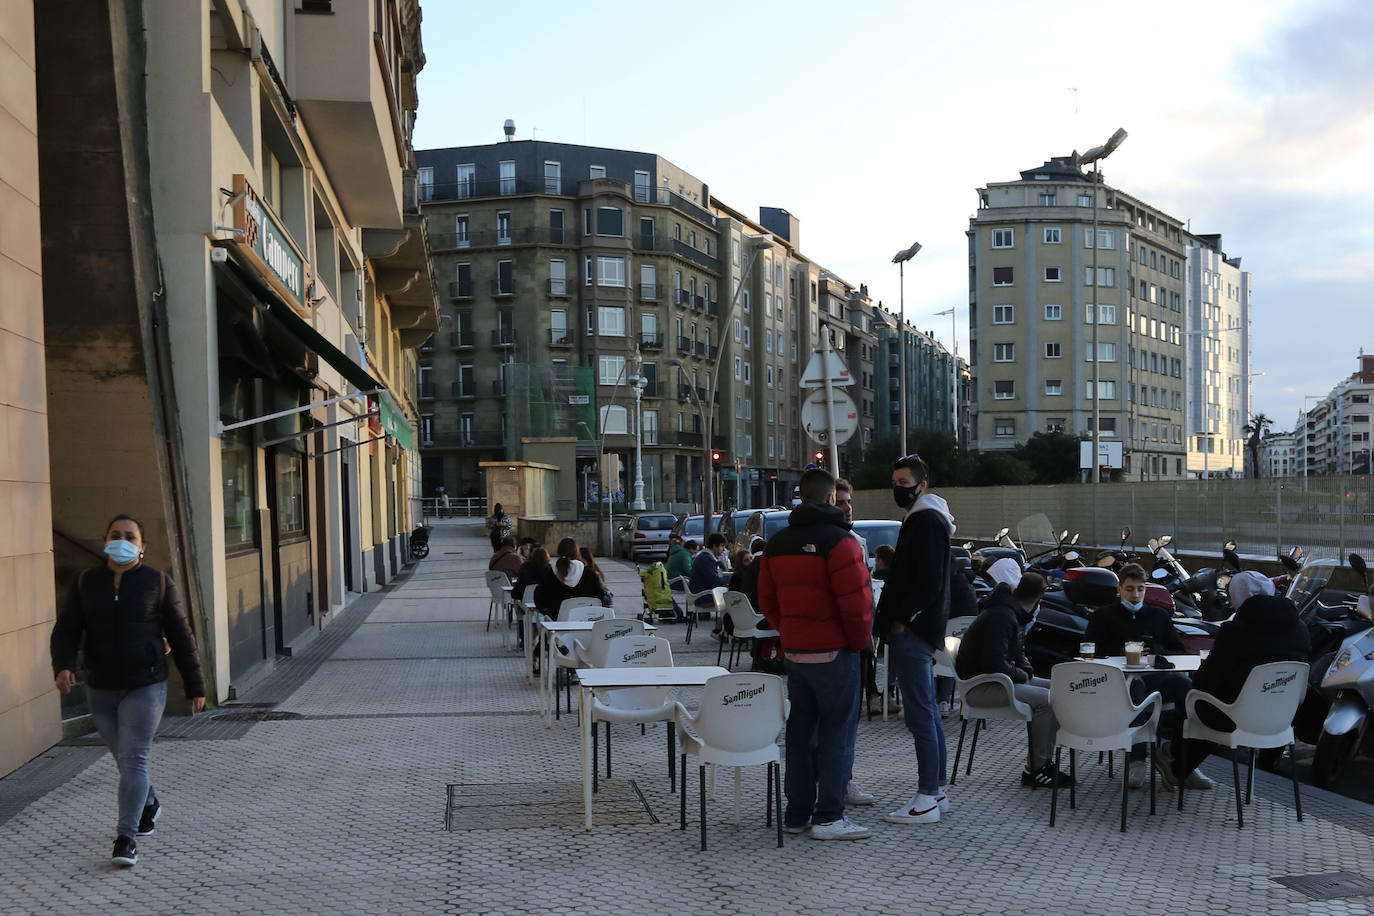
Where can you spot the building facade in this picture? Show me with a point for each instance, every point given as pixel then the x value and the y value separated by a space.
pixel 1333 436
pixel 932 380
pixel 1279 455
pixel 1051 258
pixel 1217 365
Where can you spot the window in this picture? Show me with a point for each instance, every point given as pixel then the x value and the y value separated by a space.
pixel 1106 389
pixel 1054 235
pixel 1106 276
pixel 737 327
pixel 747 374
pixel 553 178
pixel 649 427
pixel 1003 238
pixel 610 221
pixel 610 271
pixel 614 419
pixel 507 177
pixel 558 326
pixel 1054 350
pixel 463 281
pixel 1106 313
pixel 1048 199
pixel 1004 389
pixel 1003 314
pixel 503 228
pixel 1055 425
pixel 1106 349
pixel 610 321
pixel 290 494
pixel 505 278
pixel 1002 276
pixel 597 171
pixel 1004 353
pixel 1085 200
pixel 467 388
pixel 612 369
pixel 642 186
pixel 1054 313
pixel 1003 427
pixel 237 457
pixel 467 181
pixel 1054 386
pixel 1107 425
pixel 558 277
pixel 460 231
pixel 738 364
pixel 556 227
pixel 747 337
pixel 769 376
pixel 1052 275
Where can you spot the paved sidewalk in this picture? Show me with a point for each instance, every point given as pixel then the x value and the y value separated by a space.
pixel 403 768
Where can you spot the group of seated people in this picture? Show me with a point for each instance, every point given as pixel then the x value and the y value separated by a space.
pixel 1265 628
pixel 571 573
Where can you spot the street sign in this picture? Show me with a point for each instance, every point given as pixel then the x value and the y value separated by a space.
pixel 843 416
pixel 1109 455
pixel 825 363
pixel 579 400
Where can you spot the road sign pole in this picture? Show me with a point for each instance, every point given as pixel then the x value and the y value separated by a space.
pixel 826 350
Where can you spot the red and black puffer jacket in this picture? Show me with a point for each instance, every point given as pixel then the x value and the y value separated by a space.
pixel 814 583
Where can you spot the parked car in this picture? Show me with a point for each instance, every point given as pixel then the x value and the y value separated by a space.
pixel 877 531
pixel 732 525
pixel 765 523
pixel 690 528
pixel 645 536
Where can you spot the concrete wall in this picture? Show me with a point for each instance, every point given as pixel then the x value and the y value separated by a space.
pixel 29 708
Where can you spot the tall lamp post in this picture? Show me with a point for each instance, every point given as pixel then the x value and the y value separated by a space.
pixel 637 504
pixel 1094 157
pixel 900 259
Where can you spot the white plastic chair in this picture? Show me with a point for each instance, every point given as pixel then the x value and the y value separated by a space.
pixel 572 610
pixel 1095 713
pixel 944 658
pixel 635 705
pixel 747 625
pixel 590 649
pixel 498 584
pixel 1263 715
pixel 717 594
pixel 737 726
pixel 1003 705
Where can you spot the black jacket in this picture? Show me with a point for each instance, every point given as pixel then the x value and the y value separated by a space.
pixel 531 574
pixel 552 592
pixel 122 633
pixel 995 643
pixel 746 582
pixel 963 600
pixel 1266 629
pixel 1110 627
pixel 916 590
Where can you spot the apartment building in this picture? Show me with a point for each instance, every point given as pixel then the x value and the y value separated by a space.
pixel 1051 260
pixel 1217 365
pixel 932 379
pixel 242 339
pixel 1333 435
pixel 1279 455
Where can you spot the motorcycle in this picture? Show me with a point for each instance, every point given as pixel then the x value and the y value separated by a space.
pixel 1348 683
pixel 1052 563
pixel 1117 557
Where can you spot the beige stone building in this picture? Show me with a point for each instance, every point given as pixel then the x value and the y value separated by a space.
pixel 1032 285
pixel 29 717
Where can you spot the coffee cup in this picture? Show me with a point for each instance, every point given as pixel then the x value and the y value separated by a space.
pixel 1134 653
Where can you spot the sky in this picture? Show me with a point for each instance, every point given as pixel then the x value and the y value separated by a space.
pixel 875 122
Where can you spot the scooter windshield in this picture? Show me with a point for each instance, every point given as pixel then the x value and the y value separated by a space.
pixel 1309 581
pixel 1037 530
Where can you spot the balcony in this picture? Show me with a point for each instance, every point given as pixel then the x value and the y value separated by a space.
pixel 460 340
pixel 559 337
pixel 520 235
pixel 461 391
pixel 503 337
pixel 706 351
pixel 650 292
pixel 502 290
pixel 458 290
pixel 472 188
pixel 687 393
pixel 343 86
pixel 686 345
pixel 679 248
pixel 467 438
pixel 682 296
pixel 682 437
pixel 648 341
pixel 426 392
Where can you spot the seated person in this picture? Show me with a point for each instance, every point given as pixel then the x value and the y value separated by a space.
pixel 707 574
pixel 995 643
pixel 507 559
pixel 1266 628
pixel 1131 618
pixel 679 559
pixel 882 561
pixel 568 577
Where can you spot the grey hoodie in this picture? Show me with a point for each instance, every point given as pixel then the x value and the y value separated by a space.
pixel 930 501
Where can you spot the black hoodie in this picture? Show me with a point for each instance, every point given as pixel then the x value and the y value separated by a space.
pixel 1266 628
pixel 995 642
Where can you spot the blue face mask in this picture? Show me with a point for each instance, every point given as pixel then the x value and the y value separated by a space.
pixel 122 552
pixel 1132 606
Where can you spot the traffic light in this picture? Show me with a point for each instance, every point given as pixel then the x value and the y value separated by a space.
pixel 716 458
pixel 820 458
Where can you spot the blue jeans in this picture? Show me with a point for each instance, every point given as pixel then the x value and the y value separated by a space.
pixel 825 708
pixel 127 721
pixel 912 658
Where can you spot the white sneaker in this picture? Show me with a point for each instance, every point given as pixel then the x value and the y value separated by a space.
pixel 796 828
pixel 843 829
pixel 922 809
pixel 1197 780
pixel 942 798
pixel 1137 774
pixel 853 795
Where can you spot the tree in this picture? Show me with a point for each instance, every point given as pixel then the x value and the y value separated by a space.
pixel 939 450
pixel 1052 457
pixel 1256 429
pixel 999 469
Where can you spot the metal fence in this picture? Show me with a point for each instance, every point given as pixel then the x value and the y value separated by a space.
pixel 454 507
pixel 1324 515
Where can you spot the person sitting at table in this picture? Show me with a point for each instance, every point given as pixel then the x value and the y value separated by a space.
pixel 995 643
pixel 1266 628
pixel 679 563
pixel 506 559
pixel 707 574
pixel 532 573
pixel 568 577
pixel 1131 619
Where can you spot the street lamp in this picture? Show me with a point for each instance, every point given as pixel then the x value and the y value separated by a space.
pixel 900 259
pixel 1095 157
pixel 603 541
pixel 638 382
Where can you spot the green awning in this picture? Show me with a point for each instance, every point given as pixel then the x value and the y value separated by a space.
pixel 314 340
pixel 394 422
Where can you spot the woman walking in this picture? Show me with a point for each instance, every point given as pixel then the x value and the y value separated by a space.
pixel 499 527
pixel 120 614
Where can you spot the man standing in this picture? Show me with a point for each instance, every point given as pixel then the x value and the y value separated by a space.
pixel 912 614
pixel 844 501
pixel 814 584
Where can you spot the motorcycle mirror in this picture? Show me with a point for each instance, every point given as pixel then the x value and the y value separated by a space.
pixel 1289 563
pixel 1229 545
pixel 1106 562
pixel 1166 540
pixel 1074 539
pixel 1231 557
pixel 1125 533
pixel 1153 544
pixel 1064 535
pixel 968 545
pixel 1160 573
pixel 1295 552
pixel 1358 564
pixel 1003 533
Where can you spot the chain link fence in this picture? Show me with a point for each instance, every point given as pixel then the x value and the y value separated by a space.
pixel 1324 515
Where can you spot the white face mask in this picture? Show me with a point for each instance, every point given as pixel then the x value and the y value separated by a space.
pixel 121 551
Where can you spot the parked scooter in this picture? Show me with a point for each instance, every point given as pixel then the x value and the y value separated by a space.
pixel 1348 683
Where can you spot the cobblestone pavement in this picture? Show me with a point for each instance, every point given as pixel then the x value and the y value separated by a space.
pixel 405 717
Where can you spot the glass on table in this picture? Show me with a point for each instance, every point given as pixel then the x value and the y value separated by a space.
pixel 1135 651
pixel 1087 649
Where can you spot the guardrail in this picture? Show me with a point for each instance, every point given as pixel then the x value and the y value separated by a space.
pixel 453 507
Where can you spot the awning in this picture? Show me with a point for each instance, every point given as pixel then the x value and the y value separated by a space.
pixel 315 341
pixel 394 421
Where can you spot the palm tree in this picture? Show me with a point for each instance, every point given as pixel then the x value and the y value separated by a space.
pixel 1256 429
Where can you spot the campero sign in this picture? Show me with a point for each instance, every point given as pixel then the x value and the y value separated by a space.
pixel 265 241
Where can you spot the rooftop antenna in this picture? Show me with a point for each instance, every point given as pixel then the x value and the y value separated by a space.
pixel 510 130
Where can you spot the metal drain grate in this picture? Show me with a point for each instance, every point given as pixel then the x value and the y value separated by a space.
pixel 1330 886
pixel 257 715
pixel 501 806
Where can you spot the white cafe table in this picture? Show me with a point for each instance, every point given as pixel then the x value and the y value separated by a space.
pixel 548 629
pixel 590 679
pixel 1183 664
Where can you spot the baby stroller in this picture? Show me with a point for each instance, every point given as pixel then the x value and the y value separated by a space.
pixel 658 595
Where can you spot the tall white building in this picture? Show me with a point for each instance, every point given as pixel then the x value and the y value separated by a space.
pixel 1279 455
pixel 1217 358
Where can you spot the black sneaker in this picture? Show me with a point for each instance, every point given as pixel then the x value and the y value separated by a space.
pixel 125 852
pixel 148 822
pixel 1043 778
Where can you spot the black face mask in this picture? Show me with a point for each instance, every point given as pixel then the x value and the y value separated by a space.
pixel 905 496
